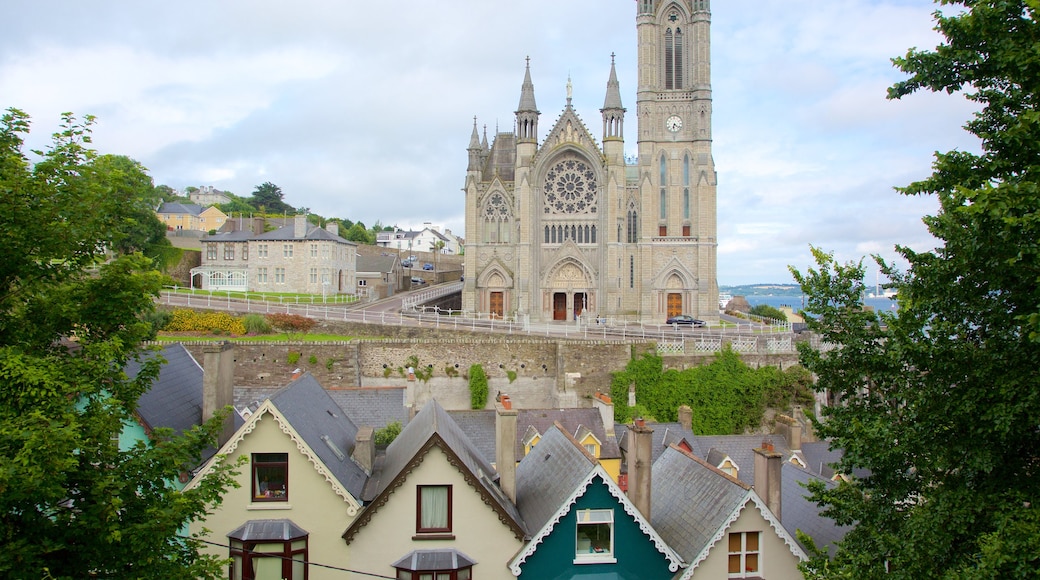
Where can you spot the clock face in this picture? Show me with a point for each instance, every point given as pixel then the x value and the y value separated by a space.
pixel 673 124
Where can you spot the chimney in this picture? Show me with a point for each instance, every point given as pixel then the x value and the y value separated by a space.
pixel 505 446
pixel 218 368
pixel 332 228
pixel 640 462
pixel 686 417
pixel 606 412
pixel 767 476
pixel 258 225
pixel 365 448
pixel 791 429
pixel 300 226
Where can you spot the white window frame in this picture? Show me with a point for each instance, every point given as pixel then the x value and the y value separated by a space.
pixel 743 553
pixel 583 548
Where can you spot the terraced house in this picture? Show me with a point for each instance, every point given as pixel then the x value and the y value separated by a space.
pixel 299 257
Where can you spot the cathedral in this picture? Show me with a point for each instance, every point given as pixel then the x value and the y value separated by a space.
pixel 566 229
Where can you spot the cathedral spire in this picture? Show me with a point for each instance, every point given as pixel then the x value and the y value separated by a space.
pixel 527 112
pixel 475 150
pixel 613 111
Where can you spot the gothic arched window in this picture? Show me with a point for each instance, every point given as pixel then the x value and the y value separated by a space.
pixel 497 220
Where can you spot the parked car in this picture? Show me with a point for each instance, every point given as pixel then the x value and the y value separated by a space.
pixel 427 266
pixel 417 280
pixel 406 264
pixel 685 319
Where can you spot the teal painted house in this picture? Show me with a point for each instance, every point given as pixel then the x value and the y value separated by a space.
pixel 582 525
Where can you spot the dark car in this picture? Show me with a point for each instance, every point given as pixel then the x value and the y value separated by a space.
pixel 406 264
pixel 427 266
pixel 417 280
pixel 685 319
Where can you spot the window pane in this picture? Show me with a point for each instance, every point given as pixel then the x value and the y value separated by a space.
pixel 734 563
pixel 734 542
pixel 752 542
pixel 751 563
pixel 463 574
pixel 443 575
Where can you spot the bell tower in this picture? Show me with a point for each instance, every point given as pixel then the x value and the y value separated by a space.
pixel 677 180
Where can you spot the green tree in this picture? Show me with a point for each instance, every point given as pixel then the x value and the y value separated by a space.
pixel 72 504
pixel 269 197
pixel 140 230
pixel 358 233
pixel 940 402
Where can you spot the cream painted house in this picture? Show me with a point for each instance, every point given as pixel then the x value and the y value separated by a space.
pixel 190 216
pixel 738 536
pixel 437 509
pixel 299 488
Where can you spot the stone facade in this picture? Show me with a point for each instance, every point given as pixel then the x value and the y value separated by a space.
pixel 567 227
pixel 295 258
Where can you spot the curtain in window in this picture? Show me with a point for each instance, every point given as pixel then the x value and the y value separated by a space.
pixel 434 507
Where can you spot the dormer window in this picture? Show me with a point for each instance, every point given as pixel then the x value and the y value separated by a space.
pixel 595 537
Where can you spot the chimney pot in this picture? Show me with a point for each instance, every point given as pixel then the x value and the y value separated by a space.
pixel 506 402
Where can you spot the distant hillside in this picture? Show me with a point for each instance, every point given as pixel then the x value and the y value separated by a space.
pixel 762 290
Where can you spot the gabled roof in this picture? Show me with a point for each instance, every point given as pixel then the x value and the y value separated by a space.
pixel 375 264
pixel 180 208
pixel 175 398
pixel 571 421
pixel 799 513
pixel 694 504
pixel 552 478
pixel 320 430
pixel 739 448
pixel 664 434
pixel 433 427
pixel 324 427
pixel 372 406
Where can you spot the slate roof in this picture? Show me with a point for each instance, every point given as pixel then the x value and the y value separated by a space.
pixel 740 448
pixel 549 475
pixel 180 208
pixel 288 233
pixel 570 420
pixel 365 406
pixel 479 428
pixel 175 398
pixel 797 512
pixel 322 424
pixel 372 406
pixel 433 426
pixel 375 264
pixel 692 501
pixel 664 434
pixel 820 458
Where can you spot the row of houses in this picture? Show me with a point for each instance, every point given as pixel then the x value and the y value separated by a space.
pixel 503 493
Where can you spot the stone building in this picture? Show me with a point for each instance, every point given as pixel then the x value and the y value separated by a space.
pixel 296 258
pixel 565 227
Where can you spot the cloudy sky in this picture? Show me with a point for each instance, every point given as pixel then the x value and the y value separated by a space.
pixel 363 110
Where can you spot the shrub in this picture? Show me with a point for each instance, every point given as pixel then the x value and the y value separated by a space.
pixel 313 359
pixel 184 320
pixel 256 324
pixel 478 387
pixel 451 371
pixel 291 323
pixel 294 357
pixel 329 362
pixel 511 375
pixel 767 311
pixel 386 435
pixel 158 319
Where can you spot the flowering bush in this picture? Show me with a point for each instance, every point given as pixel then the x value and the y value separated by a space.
pixel 291 323
pixel 184 320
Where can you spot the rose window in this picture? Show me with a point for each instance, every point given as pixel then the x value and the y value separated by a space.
pixel 570 188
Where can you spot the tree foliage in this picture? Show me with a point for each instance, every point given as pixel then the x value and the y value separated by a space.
pixel 940 402
pixel 767 311
pixel 727 396
pixel 72 504
pixel 478 387
pixel 269 197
